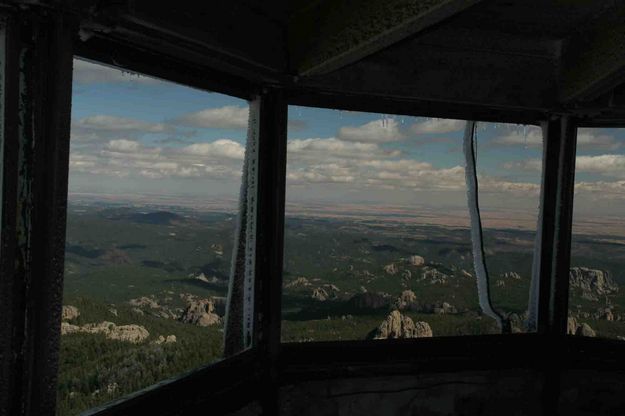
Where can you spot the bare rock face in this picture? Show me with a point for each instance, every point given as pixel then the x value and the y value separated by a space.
pixel 422 330
pixel 205 279
pixel 405 300
pixel 466 274
pixel 144 301
pixel 585 330
pixel 170 339
pixel 391 269
pixel 67 328
pixel 434 276
pixel 299 282
pixel 444 308
pixel 592 282
pixel 69 313
pixel 604 313
pixel 320 294
pixel 127 333
pixel 575 328
pixel 416 261
pixel 200 312
pixel 571 325
pixel 397 325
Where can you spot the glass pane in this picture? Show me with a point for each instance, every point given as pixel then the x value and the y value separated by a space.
pixel 377 241
pixel 155 173
pixel 596 303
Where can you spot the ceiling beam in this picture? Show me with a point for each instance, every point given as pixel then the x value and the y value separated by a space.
pixel 330 34
pixel 593 59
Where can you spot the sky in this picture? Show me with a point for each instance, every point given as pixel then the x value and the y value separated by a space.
pixel 135 134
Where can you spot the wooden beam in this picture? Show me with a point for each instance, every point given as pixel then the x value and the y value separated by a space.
pixel 331 34
pixel 272 151
pixel 593 60
pixel 457 75
pixel 38 68
pixel 559 293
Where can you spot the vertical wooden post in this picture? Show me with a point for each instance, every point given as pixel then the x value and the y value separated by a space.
pixel 559 294
pixel 37 113
pixel 270 238
pixel 559 181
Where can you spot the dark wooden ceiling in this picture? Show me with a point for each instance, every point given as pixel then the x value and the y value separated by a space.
pixel 464 58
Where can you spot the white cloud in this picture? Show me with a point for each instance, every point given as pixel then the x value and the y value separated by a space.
pixel 123 145
pixel 586 139
pixel 526 165
pixel 609 164
pixel 89 73
pixel 437 125
pixel 593 139
pixel 532 136
pixel 403 174
pixel 227 117
pixel 219 148
pixel 220 159
pixel 322 149
pixel 107 123
pixel 377 131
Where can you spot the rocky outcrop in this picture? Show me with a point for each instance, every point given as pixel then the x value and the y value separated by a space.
pixel 406 300
pixel 368 301
pixel 585 330
pixel 434 276
pixel 202 277
pixel 391 269
pixel 200 312
pixel 444 308
pixel 571 325
pixel 416 261
pixel 217 249
pixel 144 301
pixel 592 282
pixel 319 294
pixel 69 313
pixel 149 305
pixel 397 325
pixel 127 333
pixel 170 339
pixel 575 328
pixel 605 314
pixel 325 292
pixel 298 282
pixel 466 274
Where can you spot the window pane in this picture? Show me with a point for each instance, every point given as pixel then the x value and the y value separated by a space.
pixel 377 241
pixel 596 305
pixel 155 173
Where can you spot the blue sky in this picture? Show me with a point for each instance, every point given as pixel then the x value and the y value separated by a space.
pixel 134 134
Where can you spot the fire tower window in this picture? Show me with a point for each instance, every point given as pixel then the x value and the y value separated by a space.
pixel 377 236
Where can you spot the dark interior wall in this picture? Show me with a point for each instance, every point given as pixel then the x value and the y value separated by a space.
pixel 515 392
pixel 592 392
pixel 509 392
